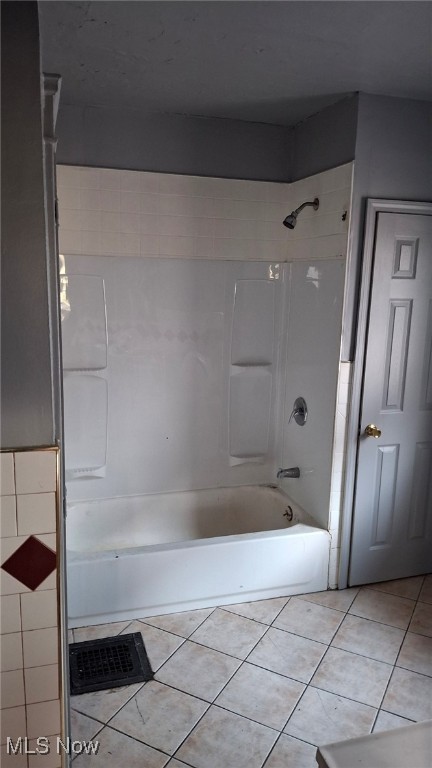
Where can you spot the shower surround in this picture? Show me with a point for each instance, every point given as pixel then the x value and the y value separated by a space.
pixel 192 317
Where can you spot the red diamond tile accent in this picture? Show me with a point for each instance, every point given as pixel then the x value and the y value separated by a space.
pixel 31 563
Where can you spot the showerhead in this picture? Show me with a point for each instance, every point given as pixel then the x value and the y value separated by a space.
pixel 291 220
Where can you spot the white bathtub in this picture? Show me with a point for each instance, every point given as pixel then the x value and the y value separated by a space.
pixel 139 556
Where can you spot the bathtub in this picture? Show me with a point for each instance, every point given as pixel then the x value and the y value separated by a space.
pixel 139 556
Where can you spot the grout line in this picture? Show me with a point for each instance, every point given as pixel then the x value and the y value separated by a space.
pixel 375 621
pixel 316 669
pixel 257 621
pixel 397 657
pixel 191 730
pixel 340 696
pixel 206 647
pixel 246 717
pixel 370 588
pixel 363 655
pixel 144 621
pixel 129 736
pixel 132 695
pixel 341 610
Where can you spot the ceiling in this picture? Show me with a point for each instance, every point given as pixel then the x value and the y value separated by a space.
pixel 274 62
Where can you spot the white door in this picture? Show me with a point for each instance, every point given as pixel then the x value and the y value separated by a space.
pixel 392 527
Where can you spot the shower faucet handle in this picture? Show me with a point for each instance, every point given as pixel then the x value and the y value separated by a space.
pixel 291 472
pixel 299 412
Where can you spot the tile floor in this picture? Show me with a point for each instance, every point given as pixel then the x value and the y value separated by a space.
pixel 265 683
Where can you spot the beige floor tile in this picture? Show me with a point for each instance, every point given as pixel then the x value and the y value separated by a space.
pixel 261 695
pixel 402 587
pixel 425 595
pixel 117 749
pixel 102 705
pixel 288 654
pixel 182 624
pixel 339 599
pixel 322 717
pixel 369 638
pixel 159 716
pixel 307 619
pixel 416 654
pixel 386 721
pixel 421 621
pixel 173 763
pixel 99 631
pixel 225 740
pixel 198 670
pixel 83 728
pixel 409 695
pixel 264 611
pixel 382 607
pixel 291 753
pixel 229 633
pixel 160 645
pixel 355 677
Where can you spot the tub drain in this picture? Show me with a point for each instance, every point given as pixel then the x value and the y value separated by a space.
pixel 108 663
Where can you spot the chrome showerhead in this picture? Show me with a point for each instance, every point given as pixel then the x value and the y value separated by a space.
pixel 291 220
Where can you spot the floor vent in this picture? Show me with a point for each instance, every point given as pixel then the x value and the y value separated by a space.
pixel 108 663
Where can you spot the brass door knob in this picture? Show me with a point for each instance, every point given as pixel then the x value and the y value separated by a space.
pixel 372 431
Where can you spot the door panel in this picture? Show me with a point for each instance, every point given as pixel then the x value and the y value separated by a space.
pixel 392 527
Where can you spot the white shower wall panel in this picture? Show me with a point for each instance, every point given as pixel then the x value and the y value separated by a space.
pixel 169 325
pixel 314 336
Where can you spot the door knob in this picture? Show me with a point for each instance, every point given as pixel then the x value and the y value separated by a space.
pixel 372 431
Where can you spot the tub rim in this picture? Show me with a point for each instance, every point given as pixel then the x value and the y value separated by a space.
pixel 296 529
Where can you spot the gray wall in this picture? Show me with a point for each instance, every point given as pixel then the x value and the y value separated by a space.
pixel 26 389
pixel 393 160
pixel 117 138
pixel 325 140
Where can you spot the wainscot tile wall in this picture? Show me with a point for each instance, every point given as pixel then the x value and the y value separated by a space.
pixel 30 677
pixel 110 212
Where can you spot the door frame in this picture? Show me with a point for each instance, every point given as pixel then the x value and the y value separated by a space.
pixel 374 207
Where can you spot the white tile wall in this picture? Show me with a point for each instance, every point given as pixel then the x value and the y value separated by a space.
pixel 43 718
pixel 35 471
pixel 12 723
pixel 52 760
pixel 112 212
pixel 40 647
pixel 36 513
pixel 12 689
pixel 41 683
pixel 8 518
pixel 29 685
pixel 12 761
pixel 7 474
pixel 10 620
pixel 50 539
pixel 11 651
pixel 39 609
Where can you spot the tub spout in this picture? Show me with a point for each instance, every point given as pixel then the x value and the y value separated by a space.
pixel 291 472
